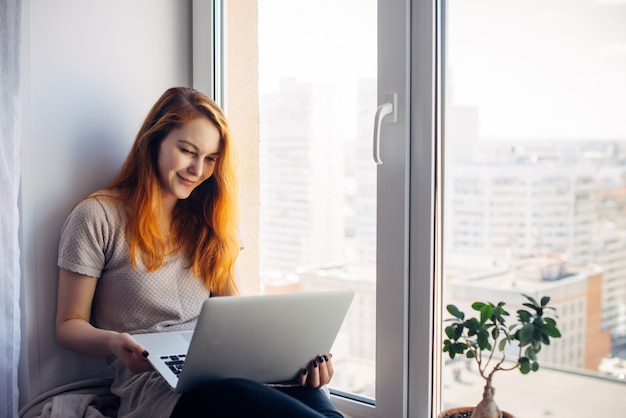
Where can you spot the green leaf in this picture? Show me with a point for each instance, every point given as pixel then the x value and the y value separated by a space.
pixel 495 333
pixel 524 365
pixel 531 306
pixel 545 300
pixel 453 348
pixel 550 321
pixel 451 332
pixel 483 340
pixel 472 326
pixel 526 333
pixel 523 315
pixel 454 311
pixel 502 344
pixel 499 313
pixel 485 313
pixel 535 366
pixel 551 330
pixel 531 299
pixel 477 306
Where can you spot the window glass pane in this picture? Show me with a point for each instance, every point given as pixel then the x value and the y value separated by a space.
pixel 317 88
pixel 535 175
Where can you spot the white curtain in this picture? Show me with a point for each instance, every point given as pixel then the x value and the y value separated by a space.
pixel 10 170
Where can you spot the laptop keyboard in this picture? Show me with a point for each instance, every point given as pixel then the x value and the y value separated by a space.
pixel 174 362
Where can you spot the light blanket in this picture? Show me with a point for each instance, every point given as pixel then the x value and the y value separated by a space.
pixel 91 398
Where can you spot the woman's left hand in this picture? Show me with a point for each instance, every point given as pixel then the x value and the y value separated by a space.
pixel 318 373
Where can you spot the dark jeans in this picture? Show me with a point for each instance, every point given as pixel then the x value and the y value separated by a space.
pixel 241 398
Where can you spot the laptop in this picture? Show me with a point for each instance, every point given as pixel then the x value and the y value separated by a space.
pixel 265 338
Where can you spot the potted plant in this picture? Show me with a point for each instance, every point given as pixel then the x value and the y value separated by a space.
pixel 484 339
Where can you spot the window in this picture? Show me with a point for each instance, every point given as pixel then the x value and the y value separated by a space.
pixel 407 357
pixel 317 98
pixel 527 177
pixel 329 216
pixel 534 92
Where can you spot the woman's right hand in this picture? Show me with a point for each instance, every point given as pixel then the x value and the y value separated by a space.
pixel 131 353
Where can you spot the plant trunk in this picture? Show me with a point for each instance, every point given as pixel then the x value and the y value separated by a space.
pixel 487 408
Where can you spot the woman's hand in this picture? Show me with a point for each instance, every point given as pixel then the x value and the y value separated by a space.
pixel 131 353
pixel 318 373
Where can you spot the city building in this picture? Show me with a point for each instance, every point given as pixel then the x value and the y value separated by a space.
pixel 575 292
pixel 520 207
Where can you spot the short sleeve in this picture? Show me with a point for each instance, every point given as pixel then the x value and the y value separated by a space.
pixel 84 238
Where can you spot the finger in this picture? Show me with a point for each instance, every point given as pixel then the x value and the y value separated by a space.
pixel 125 342
pixel 134 347
pixel 323 368
pixel 302 377
pixel 135 356
pixel 314 375
pixel 329 366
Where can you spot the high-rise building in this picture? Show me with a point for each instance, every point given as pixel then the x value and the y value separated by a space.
pixel 520 208
pixel 302 179
pixel 609 251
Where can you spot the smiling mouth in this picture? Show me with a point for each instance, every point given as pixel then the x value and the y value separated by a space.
pixel 185 181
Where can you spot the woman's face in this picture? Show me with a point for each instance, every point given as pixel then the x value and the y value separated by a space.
pixel 187 157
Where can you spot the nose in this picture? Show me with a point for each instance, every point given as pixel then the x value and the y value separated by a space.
pixel 196 166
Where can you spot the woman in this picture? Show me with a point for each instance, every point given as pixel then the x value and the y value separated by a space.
pixel 143 254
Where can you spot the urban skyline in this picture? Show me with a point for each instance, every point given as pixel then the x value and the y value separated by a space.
pixel 549 196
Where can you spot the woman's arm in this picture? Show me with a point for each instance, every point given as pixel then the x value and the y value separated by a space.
pixel 75 332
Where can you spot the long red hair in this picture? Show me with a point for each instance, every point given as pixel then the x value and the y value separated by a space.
pixel 205 224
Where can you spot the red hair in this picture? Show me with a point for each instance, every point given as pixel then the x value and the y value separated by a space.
pixel 205 224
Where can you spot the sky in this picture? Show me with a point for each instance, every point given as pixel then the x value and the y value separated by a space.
pixel 322 39
pixel 535 69
pixel 540 68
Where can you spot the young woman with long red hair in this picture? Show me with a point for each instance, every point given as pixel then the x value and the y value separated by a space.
pixel 142 255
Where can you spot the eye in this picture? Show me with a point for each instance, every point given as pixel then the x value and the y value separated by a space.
pixel 187 151
pixel 210 159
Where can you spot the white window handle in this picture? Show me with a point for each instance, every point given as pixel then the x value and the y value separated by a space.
pixel 383 110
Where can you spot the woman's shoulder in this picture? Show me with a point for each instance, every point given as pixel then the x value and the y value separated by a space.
pixel 106 194
pixel 104 202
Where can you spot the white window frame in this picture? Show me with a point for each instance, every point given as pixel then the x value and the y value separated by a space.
pixel 409 245
pixel 408 252
pixel 208 64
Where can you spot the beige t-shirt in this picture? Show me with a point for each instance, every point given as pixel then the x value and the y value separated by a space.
pixel 129 299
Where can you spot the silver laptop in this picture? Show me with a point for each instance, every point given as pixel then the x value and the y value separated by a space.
pixel 267 338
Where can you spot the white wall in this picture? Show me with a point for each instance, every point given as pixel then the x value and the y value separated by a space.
pixel 92 69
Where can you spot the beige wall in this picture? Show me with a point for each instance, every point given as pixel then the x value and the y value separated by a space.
pixel 88 79
pixel 242 110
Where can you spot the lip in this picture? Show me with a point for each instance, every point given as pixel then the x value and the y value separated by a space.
pixel 185 181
